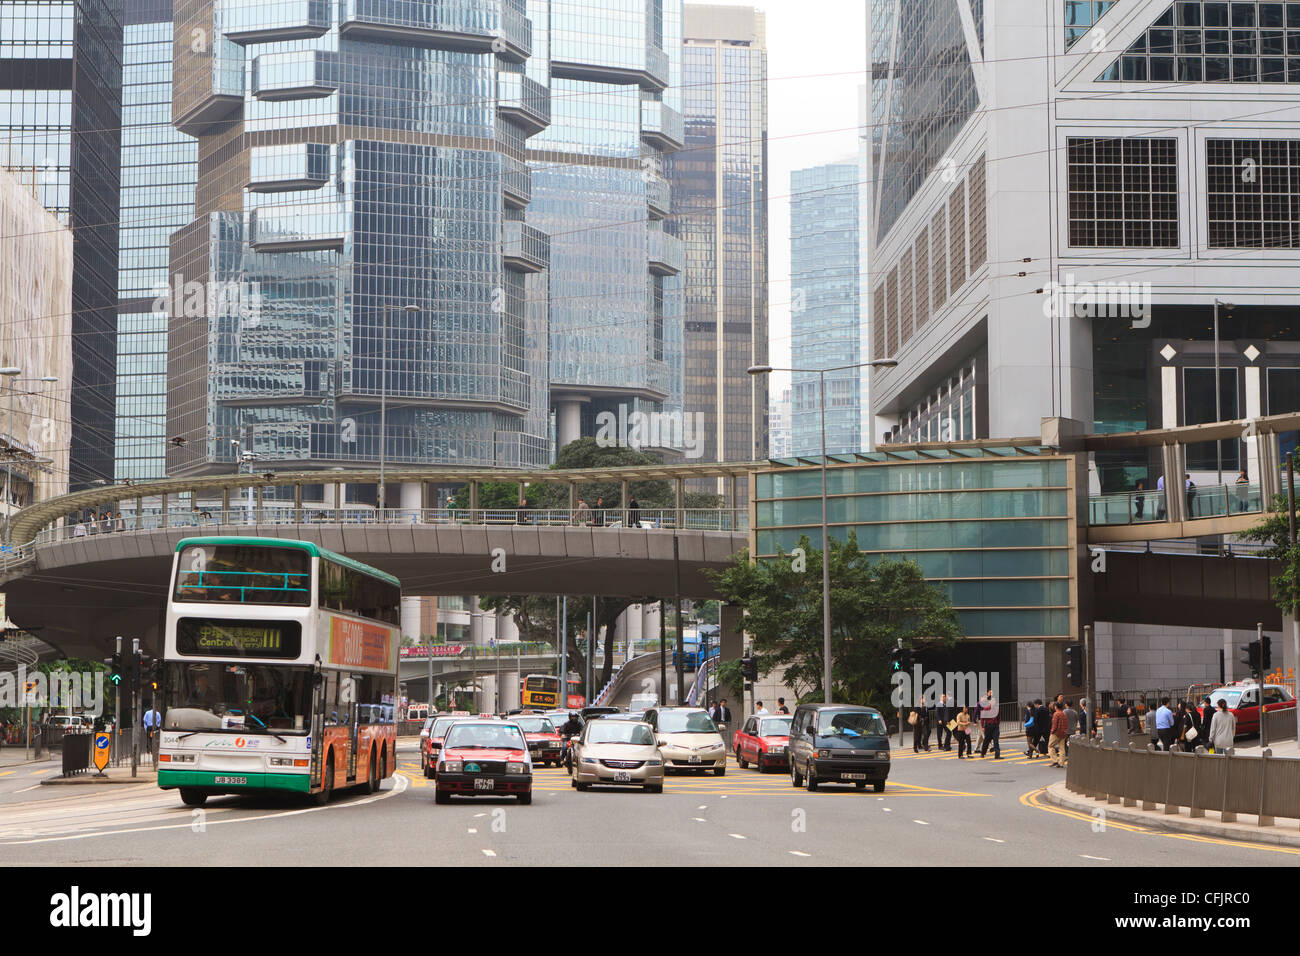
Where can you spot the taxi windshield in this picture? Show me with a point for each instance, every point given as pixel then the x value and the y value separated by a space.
pixel 686 722
pixel 441 724
pixel 1232 697
pixel 485 737
pixel 535 725
pixel 620 732
pixel 776 727
pixel 850 724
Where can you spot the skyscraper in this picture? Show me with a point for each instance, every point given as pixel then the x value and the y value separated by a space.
pixel 159 169
pixel 720 187
pixel 600 191
pixel 60 115
pixel 354 161
pixel 825 317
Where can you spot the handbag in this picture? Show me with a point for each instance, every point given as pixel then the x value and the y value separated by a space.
pixel 952 725
pixel 911 719
pixel 1191 734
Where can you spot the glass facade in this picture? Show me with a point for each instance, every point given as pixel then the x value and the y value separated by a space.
pixel 719 184
pixel 1080 15
pixel 989 525
pixel 923 91
pixel 825 319
pixel 159 169
pixel 372 159
pixel 60 119
pixel 598 188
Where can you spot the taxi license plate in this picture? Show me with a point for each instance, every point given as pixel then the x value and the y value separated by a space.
pixel 231 780
pixel 622 776
pixel 695 758
pixel 482 783
pixel 853 776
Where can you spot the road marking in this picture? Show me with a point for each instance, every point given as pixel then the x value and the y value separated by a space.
pixel 702 806
pixel 736 836
pixel 477 815
pixel 473 829
pixel 1102 859
pixel 699 819
pixel 922 822
pixel 489 852
pixel 994 840
pixel 25 789
pixel 799 853
pixel 6 773
pixel 724 796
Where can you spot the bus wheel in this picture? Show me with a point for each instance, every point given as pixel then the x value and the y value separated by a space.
pixel 193 798
pixel 326 783
pixel 372 785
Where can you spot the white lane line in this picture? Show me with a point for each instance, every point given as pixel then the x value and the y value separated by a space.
pixel 473 829
pixel 724 796
pixel 1102 859
pixel 400 785
pixel 799 853
pixel 702 806
pixel 25 789
pixel 699 819
pixel 994 840
pixel 735 836
pixel 477 815
pixel 888 809
pixel 489 852
pixel 922 822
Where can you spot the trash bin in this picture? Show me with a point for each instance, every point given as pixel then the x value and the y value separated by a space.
pixel 1113 730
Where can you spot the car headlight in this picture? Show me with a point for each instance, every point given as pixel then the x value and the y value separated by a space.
pixel 450 766
pixel 590 760
pixel 513 767
pixel 714 747
pixel 281 761
pixel 883 755
pixel 823 753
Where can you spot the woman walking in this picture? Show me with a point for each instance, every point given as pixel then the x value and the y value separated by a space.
pixel 1223 729
pixel 963 733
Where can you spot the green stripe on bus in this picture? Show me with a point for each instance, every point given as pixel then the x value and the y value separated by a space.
pixel 314 550
pixel 297 782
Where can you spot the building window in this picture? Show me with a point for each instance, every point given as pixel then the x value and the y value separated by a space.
pixel 1213 41
pixel 1198 409
pixel 1123 193
pixel 1254 193
pixel 1080 15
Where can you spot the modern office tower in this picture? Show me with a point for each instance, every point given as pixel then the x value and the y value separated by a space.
pixel 353 287
pixel 61 114
pixel 1061 192
pixel 36 253
pixel 720 188
pixel 159 170
pixel 780 441
pixel 600 191
pixel 825 318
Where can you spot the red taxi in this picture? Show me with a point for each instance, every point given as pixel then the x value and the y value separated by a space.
pixel 431 742
pixel 484 758
pixel 1243 700
pixel 544 743
pixel 764 741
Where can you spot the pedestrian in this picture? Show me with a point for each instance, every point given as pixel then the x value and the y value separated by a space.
pixel 1165 725
pixel 1207 720
pixel 1071 725
pixel 1085 717
pixel 721 712
pixel 1182 723
pixel 920 721
pixel 633 513
pixel 598 516
pixel 963 734
pixel 1043 725
pixel 1139 498
pixel 1191 495
pixel 1223 729
pixel 1160 500
pixel 780 706
pixel 989 727
pixel 1135 719
pixel 152 722
pixel 521 514
pixel 760 710
pixel 1243 491
pixel 1029 718
pixel 583 515
pixel 943 715
pixel 80 530
pixel 1060 731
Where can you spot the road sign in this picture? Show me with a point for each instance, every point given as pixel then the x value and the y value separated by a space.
pixel 102 745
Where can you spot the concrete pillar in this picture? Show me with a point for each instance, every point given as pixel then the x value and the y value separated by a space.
pixel 411 499
pixel 506 628
pixel 411 617
pixel 1229 653
pixel 732 647
pixel 631 624
pixel 623 500
pixel 650 621
pixel 473 496
pixel 1254 409
pixel 297 501
pixel 568 421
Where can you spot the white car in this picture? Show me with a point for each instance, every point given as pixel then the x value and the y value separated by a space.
pixel 688 739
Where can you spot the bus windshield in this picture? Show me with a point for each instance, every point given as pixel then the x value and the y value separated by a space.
pixel 243 574
pixel 207 696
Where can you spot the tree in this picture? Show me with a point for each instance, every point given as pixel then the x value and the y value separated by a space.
pixel 874 604
pixel 1274 531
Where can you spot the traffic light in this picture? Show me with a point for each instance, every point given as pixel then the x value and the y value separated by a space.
pixel 115 674
pixel 749 668
pixel 1266 654
pixel 1253 657
pixel 896 658
pixel 1074 664
pixel 155 672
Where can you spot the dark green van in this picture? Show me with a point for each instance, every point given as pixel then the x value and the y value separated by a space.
pixel 838 744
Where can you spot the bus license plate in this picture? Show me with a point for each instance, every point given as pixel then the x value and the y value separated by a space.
pixel 622 776
pixel 853 776
pixel 483 783
pixel 242 781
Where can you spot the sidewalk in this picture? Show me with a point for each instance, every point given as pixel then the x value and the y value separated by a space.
pixel 12 755
pixel 112 775
pixel 1285 832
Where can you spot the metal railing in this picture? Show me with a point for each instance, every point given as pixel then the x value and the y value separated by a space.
pixel 1229 783
pixel 278 513
pixel 1147 507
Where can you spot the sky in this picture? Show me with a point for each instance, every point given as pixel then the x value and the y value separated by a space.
pixel 816 61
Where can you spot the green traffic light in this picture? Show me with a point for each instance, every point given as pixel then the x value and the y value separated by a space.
pixel 115 679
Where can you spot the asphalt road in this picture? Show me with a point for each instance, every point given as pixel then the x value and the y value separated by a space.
pixel 936 810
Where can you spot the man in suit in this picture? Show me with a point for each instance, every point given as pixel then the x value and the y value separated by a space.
pixel 943 713
pixel 721 712
pixel 1042 725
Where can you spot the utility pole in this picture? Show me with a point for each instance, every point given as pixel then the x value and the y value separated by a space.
pixel 663 653
pixel 564 654
pixel 135 704
pixel 1295 611
pixel 430 644
pixel 681 649
pixel 1259 688
pixel 1090 677
pixel 117 708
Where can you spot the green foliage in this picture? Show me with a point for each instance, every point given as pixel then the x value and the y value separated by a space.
pixel 873 605
pixel 1274 531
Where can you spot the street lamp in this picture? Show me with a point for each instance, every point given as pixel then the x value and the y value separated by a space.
pixel 1218 415
pixel 826 550
pixel 383 400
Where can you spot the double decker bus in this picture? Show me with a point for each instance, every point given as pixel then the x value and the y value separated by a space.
pixel 280 670
pixel 541 692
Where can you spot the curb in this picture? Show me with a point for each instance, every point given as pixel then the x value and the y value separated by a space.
pixel 1242 833
pixel 89 779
